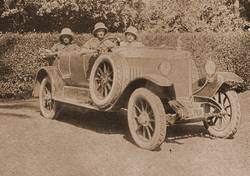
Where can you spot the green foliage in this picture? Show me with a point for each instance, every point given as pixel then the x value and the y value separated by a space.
pixel 230 51
pixel 195 16
pixel 22 60
pixel 81 15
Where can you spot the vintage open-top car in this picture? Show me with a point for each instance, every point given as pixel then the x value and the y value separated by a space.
pixel 157 86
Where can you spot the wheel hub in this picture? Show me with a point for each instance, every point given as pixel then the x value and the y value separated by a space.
pixel 104 79
pixel 144 119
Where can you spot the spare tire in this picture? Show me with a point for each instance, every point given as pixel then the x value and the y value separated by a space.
pixel 107 79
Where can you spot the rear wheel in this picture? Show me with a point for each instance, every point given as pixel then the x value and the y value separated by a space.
pixel 146 119
pixel 47 104
pixel 226 125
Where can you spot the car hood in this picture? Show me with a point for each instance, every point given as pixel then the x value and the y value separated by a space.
pixel 151 52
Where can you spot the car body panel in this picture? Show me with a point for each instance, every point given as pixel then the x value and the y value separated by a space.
pixel 55 77
pixel 143 62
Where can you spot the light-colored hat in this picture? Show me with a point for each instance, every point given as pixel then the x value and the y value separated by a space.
pixel 99 26
pixel 66 32
pixel 132 30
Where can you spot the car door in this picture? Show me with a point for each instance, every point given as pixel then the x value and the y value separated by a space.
pixel 78 67
pixel 72 65
pixel 64 65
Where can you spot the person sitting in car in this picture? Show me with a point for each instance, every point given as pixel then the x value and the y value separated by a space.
pixel 131 35
pixel 65 43
pixel 66 38
pixel 98 42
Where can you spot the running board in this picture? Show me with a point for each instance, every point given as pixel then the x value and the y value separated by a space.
pixel 83 104
pixel 78 93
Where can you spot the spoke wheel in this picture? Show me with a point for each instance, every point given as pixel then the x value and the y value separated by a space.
pixel 107 79
pixel 225 125
pixel 146 119
pixel 47 104
pixel 103 80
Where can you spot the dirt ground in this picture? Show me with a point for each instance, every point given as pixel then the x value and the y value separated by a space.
pixel 99 144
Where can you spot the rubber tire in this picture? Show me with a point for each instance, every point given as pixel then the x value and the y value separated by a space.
pixel 119 74
pixel 48 115
pixel 232 128
pixel 160 119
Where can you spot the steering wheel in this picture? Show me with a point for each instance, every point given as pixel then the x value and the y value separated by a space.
pixel 102 46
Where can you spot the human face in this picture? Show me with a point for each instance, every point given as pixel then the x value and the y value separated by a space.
pixel 66 40
pixel 100 33
pixel 130 37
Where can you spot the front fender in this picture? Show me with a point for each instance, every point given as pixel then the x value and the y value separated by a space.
pixel 158 80
pixel 227 79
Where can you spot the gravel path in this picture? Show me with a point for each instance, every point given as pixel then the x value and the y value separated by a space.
pixel 99 144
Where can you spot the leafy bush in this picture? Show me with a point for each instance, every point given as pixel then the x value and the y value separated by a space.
pixel 81 15
pixel 229 50
pixel 21 62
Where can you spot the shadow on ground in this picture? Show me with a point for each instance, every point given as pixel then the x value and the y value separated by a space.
pixel 178 132
pixel 100 122
pixel 116 123
pixel 31 104
pixel 21 116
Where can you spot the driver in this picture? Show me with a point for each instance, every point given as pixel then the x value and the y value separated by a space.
pixel 131 35
pixel 99 33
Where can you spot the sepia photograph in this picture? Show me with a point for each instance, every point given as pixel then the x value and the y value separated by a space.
pixel 124 87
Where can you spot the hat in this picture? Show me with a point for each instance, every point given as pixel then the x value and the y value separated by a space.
pixel 132 30
pixel 99 26
pixel 66 32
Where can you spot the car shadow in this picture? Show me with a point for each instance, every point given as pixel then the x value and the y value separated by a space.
pixel 176 133
pixel 100 122
pixel 116 123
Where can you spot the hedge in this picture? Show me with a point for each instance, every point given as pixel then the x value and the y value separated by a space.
pixel 20 60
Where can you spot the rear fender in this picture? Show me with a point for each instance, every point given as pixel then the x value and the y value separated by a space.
pixel 222 80
pixel 52 73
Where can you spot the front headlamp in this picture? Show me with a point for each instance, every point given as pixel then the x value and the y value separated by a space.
pixel 210 68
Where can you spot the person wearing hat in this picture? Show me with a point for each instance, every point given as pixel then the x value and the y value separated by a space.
pixel 131 35
pixel 99 33
pixel 65 44
pixel 66 37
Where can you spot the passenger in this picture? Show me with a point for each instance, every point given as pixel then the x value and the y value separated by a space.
pixel 99 33
pixel 131 35
pixel 66 37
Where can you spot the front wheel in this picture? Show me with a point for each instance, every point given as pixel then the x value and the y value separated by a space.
pixel 47 104
pixel 146 119
pixel 227 124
